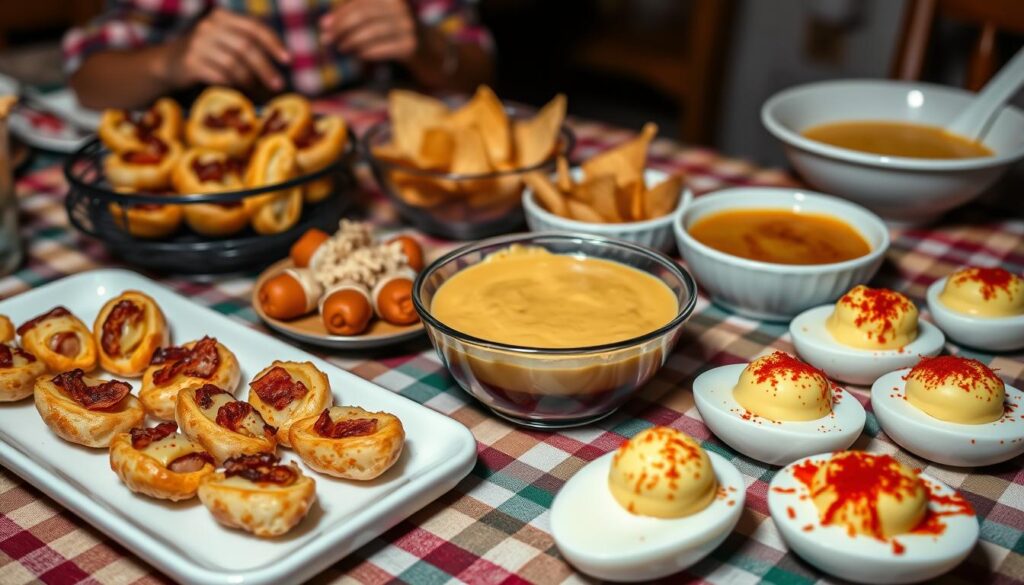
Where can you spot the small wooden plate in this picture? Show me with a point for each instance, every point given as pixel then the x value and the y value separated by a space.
pixel 310 328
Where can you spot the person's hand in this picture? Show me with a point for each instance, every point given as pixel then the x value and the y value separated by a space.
pixel 373 30
pixel 226 48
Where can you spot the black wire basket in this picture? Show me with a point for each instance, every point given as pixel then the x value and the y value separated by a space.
pixel 90 197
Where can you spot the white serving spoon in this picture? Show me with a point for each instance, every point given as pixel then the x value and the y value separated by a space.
pixel 974 121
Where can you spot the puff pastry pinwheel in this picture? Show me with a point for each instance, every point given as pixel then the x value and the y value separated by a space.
pixel 147 168
pixel 173 369
pixel 122 131
pixel 222 119
pixel 7 331
pixel 259 495
pixel 321 144
pixel 85 410
pixel 60 340
pixel 146 220
pixel 204 170
pixel 273 162
pixel 160 462
pixel 349 442
pixel 287 114
pixel 224 426
pixel 18 372
pixel 285 392
pixel 128 330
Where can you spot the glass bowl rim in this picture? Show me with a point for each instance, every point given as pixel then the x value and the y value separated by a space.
pixel 683 312
pixel 364 144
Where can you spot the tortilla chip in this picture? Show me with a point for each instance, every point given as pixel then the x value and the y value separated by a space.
pixel 626 161
pixel 564 177
pixel 535 139
pixel 582 212
pixel 469 156
pixel 601 197
pixel 662 198
pixel 422 195
pixel 546 193
pixel 389 152
pixel 437 149
pixel 411 115
pixel 493 123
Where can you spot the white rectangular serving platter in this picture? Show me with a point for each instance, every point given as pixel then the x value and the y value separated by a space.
pixel 182 539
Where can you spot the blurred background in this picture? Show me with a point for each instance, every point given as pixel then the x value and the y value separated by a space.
pixel 700 68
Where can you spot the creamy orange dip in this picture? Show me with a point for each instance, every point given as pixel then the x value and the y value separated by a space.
pixel 530 297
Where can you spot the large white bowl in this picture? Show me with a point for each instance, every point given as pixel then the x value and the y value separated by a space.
pixel 902 189
pixel 777 292
pixel 654 233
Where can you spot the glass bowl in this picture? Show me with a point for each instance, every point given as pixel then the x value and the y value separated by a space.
pixel 450 205
pixel 553 388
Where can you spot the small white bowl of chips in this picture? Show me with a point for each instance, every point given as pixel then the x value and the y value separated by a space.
pixel 611 195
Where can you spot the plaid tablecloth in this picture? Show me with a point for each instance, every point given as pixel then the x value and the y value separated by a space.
pixel 494 526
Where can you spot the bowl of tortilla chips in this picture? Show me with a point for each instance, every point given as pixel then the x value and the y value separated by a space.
pixel 612 194
pixel 458 172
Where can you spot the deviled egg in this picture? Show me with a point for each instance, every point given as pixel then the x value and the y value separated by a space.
pixel 980 307
pixel 777 409
pixel 868 332
pixel 951 410
pixel 867 518
pixel 657 505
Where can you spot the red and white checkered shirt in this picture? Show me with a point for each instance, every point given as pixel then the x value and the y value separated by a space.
pixel 315 69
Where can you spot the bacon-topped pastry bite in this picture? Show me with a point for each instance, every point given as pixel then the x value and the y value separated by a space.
pixel 146 220
pixel 321 143
pixel 60 340
pixel 160 462
pixel 128 330
pixel 349 442
pixel 287 114
pixel 285 392
pixel 18 372
pixel 273 162
pixel 173 369
pixel 224 426
pixel 222 119
pixel 86 410
pixel 145 168
pixel 259 495
pixel 7 331
pixel 122 131
pixel 204 170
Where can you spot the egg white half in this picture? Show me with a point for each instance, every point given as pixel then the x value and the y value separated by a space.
pixel 776 443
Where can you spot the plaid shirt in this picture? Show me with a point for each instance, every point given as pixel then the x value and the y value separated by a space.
pixel 131 24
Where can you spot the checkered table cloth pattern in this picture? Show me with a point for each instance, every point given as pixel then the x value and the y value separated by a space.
pixel 494 526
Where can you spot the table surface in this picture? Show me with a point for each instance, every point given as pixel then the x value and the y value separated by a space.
pixel 494 527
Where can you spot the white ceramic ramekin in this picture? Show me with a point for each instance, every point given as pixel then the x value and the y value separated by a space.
pixel 777 292
pixel 653 233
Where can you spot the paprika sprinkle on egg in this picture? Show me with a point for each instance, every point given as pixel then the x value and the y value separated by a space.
pixel 873 318
pixel 992 280
pixel 968 374
pixel 878 305
pixel 780 365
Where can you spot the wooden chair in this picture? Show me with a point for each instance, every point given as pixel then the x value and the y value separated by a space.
pixel 685 66
pixel 990 16
pixel 37 15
